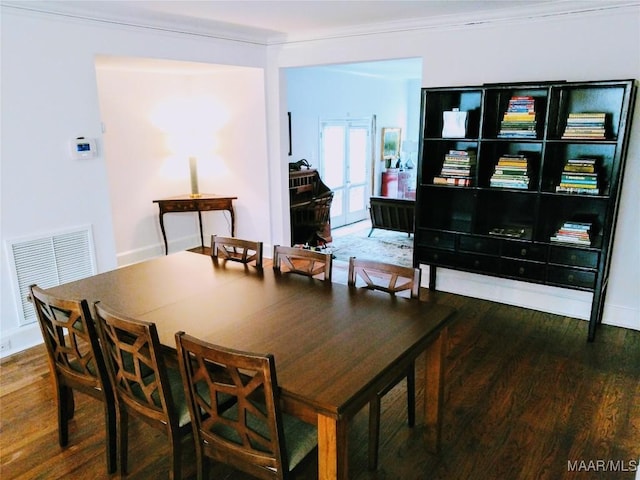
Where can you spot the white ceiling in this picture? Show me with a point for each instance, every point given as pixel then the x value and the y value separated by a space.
pixel 281 21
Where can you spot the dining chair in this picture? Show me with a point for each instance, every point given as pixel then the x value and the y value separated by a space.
pixel 236 249
pixel 310 263
pixel 391 279
pixel 75 362
pixel 252 436
pixel 144 387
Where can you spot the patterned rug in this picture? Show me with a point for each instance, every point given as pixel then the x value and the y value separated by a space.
pixel 382 245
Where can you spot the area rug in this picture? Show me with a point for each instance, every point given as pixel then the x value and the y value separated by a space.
pixel 382 245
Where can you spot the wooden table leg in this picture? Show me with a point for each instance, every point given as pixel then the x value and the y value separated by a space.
pixel 332 449
pixel 164 235
pixel 201 231
pixel 233 222
pixel 434 390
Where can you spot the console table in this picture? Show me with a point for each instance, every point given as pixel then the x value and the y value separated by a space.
pixel 186 203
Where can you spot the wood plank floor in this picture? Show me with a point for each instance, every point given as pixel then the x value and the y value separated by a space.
pixel 525 395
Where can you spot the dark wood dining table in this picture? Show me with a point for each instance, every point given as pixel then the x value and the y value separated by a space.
pixel 335 346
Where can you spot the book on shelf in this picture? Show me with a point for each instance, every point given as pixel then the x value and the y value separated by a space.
pixel 458 182
pixel 519 121
pixel 458 168
pixel 574 232
pixel 511 171
pixel 588 126
pixel 580 176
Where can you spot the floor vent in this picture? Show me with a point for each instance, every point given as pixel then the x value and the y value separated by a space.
pixel 49 261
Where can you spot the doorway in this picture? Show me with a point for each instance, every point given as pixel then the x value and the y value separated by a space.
pixel 345 166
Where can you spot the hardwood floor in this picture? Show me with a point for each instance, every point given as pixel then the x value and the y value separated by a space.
pixel 525 395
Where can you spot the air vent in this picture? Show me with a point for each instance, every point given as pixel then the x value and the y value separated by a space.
pixel 49 261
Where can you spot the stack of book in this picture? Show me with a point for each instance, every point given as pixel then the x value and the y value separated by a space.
pixel 458 168
pixel 579 176
pixel 511 172
pixel 585 126
pixel 574 232
pixel 519 120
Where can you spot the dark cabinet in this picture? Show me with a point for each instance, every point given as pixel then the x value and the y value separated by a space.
pixel 529 189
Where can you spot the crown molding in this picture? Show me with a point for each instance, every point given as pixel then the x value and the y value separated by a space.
pixel 512 14
pixel 157 22
pixel 184 25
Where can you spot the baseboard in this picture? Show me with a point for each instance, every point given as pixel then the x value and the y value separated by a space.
pixel 151 251
pixel 559 301
pixel 15 340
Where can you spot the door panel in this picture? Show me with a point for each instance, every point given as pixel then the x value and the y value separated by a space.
pixel 346 167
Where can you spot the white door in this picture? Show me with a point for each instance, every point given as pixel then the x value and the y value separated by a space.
pixel 345 167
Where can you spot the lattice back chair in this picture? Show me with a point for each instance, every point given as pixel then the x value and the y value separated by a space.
pixel 236 249
pixel 302 261
pixel 75 362
pixel 253 435
pixel 144 387
pixel 391 279
pixel 386 277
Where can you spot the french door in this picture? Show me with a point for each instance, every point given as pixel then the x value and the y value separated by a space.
pixel 345 166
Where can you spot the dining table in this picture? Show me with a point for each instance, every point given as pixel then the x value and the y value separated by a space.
pixel 335 346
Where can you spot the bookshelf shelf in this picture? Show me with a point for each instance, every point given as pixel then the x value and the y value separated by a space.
pixel 538 200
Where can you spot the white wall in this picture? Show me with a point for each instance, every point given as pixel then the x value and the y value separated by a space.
pixel 143 108
pixel 49 96
pixel 589 46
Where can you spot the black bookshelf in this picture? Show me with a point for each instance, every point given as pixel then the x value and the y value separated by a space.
pixel 540 202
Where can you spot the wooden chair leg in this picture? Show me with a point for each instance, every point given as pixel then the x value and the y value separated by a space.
pixel 374 432
pixel 66 407
pixel 111 434
pixel 175 469
pixel 123 440
pixel 411 395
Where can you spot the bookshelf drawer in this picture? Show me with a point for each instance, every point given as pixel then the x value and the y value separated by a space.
pixel 525 251
pixel 481 263
pixel 522 269
pixel 573 256
pixel 479 244
pixel 436 257
pixel 437 239
pixel 571 277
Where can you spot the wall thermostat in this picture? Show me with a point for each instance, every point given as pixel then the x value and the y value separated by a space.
pixel 83 148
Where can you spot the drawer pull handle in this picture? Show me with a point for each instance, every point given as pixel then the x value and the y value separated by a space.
pixel 521 270
pixel 574 257
pixel 570 278
pixel 476 263
pixel 523 252
pixel 435 256
pixel 478 245
pixel 436 239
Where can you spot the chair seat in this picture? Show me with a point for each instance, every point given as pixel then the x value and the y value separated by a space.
pixel 177 391
pixel 300 437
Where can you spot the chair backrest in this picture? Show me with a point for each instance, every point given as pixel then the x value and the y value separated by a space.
pixel 249 436
pixel 72 343
pixel 384 276
pixel 236 249
pixel 303 261
pixel 135 365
